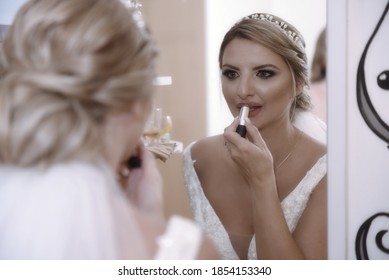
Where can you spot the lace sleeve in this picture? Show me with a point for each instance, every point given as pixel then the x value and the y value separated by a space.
pixel 203 212
pixel 294 204
pixel 192 184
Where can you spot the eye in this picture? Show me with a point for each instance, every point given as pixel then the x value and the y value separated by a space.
pixel 383 80
pixel 265 74
pixel 230 74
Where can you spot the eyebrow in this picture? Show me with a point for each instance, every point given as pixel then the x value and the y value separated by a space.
pixel 255 68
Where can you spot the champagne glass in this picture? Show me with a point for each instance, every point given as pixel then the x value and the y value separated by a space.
pixel 157 128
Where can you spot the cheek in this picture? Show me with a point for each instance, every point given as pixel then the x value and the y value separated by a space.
pixel 145 111
pixel 279 91
pixel 138 121
pixel 133 138
pixel 229 95
pixel 229 91
pixel 280 95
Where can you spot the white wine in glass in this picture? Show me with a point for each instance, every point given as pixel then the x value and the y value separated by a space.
pixel 157 127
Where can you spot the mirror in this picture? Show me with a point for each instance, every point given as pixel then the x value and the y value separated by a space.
pixel 189 33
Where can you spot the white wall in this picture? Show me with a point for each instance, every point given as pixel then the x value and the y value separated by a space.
pixel 358 158
pixel 337 131
pixel 306 15
pixel 8 9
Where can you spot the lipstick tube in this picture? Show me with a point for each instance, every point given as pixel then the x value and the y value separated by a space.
pixel 244 113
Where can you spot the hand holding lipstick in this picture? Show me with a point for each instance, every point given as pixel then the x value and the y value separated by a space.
pixel 250 154
pixel 144 182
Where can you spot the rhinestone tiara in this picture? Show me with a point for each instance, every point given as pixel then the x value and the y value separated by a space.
pixel 293 36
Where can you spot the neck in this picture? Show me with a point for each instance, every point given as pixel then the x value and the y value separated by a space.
pixel 280 139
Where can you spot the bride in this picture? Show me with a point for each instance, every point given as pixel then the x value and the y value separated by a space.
pixel 75 93
pixel 264 195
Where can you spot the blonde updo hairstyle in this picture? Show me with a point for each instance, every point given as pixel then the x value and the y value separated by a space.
pixel 64 66
pixel 271 35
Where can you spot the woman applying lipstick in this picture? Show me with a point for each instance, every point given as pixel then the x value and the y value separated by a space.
pixel 261 196
pixel 76 89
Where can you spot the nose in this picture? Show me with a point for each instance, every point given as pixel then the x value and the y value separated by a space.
pixel 246 88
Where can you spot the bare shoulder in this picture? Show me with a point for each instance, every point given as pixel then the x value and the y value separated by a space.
pixel 206 153
pixel 206 147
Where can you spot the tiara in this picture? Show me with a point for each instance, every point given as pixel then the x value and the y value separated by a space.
pixel 135 5
pixel 280 24
pixel 132 4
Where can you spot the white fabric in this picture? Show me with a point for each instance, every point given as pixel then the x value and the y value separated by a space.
pixel 311 125
pixel 181 241
pixel 70 211
pixel 293 205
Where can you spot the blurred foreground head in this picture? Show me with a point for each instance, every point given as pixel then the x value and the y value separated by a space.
pixel 64 66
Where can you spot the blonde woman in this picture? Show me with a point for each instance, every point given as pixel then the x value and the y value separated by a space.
pixel 75 92
pixel 262 196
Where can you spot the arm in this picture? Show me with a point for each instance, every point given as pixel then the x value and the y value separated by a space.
pixel 144 187
pixel 273 238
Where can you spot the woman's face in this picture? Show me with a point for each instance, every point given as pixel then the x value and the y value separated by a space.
pixel 140 114
pixel 255 76
pixel 123 130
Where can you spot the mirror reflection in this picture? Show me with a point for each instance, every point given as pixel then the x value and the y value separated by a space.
pixel 272 177
pixel 189 34
pixel 196 100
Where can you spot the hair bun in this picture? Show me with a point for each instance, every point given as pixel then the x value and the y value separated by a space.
pixel 41 119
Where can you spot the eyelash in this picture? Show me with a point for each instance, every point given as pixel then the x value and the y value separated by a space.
pixel 230 74
pixel 263 74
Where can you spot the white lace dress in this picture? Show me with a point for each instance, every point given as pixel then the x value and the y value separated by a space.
pixel 293 205
pixel 78 211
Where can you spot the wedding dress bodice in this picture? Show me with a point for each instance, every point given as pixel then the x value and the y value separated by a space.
pixel 293 205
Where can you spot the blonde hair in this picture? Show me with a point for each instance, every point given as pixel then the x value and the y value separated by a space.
pixel 64 65
pixel 271 35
